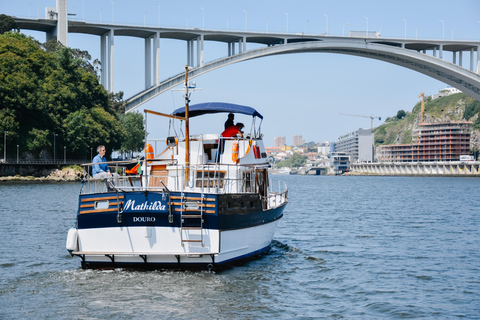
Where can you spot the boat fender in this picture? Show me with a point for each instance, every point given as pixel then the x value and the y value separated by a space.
pixel 72 237
pixel 149 151
pixel 235 152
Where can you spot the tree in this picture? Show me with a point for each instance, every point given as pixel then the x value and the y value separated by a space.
pixel 296 160
pixel 53 94
pixel 7 23
pixel 134 131
pixel 400 114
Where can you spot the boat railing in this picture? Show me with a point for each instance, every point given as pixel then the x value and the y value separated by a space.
pixel 205 178
pixel 277 193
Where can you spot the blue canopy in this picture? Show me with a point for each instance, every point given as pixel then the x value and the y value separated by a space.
pixel 216 107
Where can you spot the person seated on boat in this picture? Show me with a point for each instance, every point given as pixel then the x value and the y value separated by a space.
pixel 233 131
pixel 229 121
pixel 100 170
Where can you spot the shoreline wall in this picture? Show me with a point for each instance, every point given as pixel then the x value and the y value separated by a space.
pixel 441 168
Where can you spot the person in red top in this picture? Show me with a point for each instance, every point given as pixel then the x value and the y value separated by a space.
pixel 233 131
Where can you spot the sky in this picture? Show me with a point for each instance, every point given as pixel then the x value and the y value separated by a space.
pixel 298 94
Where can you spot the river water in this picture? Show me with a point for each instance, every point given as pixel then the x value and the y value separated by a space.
pixel 347 247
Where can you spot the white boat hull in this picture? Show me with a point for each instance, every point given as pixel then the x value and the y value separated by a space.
pixel 161 247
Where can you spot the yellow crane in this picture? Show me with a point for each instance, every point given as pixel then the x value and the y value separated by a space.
pixel 423 106
pixel 357 115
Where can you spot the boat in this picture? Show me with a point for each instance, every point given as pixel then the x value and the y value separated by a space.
pixel 204 203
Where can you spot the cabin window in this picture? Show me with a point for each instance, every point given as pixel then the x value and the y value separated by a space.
pixel 210 179
pixel 100 205
pixel 242 205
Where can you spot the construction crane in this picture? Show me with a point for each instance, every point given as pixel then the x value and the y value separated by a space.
pixel 423 106
pixel 357 115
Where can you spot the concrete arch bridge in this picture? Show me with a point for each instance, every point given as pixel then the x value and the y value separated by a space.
pixel 437 68
pixel 414 54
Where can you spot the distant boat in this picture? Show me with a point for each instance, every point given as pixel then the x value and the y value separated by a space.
pixel 205 202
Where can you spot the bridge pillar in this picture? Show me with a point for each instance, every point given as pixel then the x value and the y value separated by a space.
pixel 111 41
pixel 156 60
pixel 454 53
pixel 200 51
pixel 435 51
pixel 62 22
pixel 471 59
pixel 477 69
pixel 148 63
pixel 440 54
pixel 244 44
pixel 202 48
pixel 460 58
pixel 103 60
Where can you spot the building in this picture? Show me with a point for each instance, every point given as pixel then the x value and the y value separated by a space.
pixel 298 140
pixel 357 144
pixel 445 92
pixel 339 162
pixel 324 148
pixel 279 141
pixel 445 141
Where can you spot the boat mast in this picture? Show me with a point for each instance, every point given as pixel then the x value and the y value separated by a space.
pixel 187 131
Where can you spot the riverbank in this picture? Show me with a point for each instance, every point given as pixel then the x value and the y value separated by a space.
pixel 67 174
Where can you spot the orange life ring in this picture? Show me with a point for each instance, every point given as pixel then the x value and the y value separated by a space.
pixel 235 152
pixel 149 151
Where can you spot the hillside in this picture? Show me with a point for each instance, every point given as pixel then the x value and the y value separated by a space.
pixel 455 107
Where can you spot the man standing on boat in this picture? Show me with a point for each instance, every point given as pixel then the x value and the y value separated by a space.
pixel 229 121
pixel 100 169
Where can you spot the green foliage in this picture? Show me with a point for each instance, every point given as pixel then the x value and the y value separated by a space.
pixel 471 109
pixel 135 132
pixel 400 114
pixel 50 89
pixel 296 160
pixel 7 23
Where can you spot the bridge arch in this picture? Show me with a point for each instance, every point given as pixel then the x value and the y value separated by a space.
pixel 454 75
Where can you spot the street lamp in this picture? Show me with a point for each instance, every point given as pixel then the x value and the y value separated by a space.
pixel 366 34
pixel 268 22
pixel 346 24
pixel 305 31
pixel 188 15
pixel 5 144
pixel 228 20
pixel 203 18
pixel 245 20
pixel 91 153
pixel 101 10
pixel 452 33
pixel 64 154
pixel 17 153
pixel 54 135
pixel 287 21
pixel 158 14
pixel 83 2
pixel 145 19
pixel 405 28
pixel 416 32
pixel 327 24
pixel 443 33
